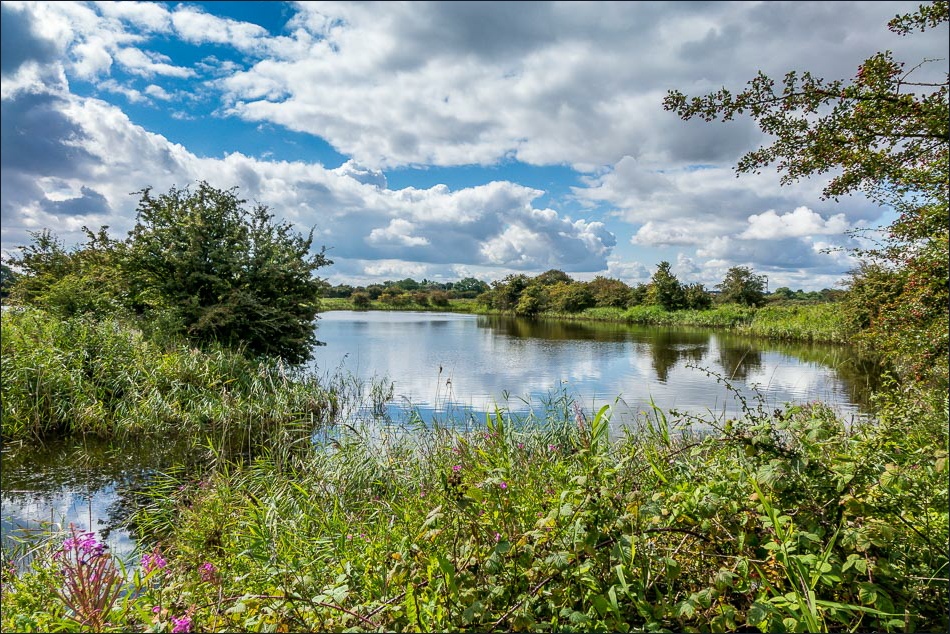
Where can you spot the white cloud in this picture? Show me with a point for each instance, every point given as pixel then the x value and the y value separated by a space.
pixel 800 222
pixel 198 27
pixel 399 233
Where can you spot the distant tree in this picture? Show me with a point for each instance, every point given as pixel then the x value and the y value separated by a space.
pixel 697 297
pixel 665 289
pixel 469 287
pixel 420 297
pixel 609 292
pixel 340 290
pixel 506 293
pixel 7 278
pixel 783 292
pixel 639 295
pixel 533 300
pixel 553 276
pixel 742 286
pixel 570 297
pixel 439 298
pixel 361 300
pixel 226 273
pixel 375 290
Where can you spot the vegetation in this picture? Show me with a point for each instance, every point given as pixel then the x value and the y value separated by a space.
pixel 302 518
pixel 885 134
pixel 196 264
pixel 779 521
pixel 79 376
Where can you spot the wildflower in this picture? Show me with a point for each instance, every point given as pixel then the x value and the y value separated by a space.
pixel 456 468
pixel 497 537
pixel 84 544
pixel 207 571
pixel 156 609
pixel 181 625
pixel 153 561
pixel 503 485
pixel 552 447
pixel 520 445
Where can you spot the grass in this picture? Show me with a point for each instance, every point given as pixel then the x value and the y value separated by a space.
pixel 63 377
pixel 778 521
pixel 792 321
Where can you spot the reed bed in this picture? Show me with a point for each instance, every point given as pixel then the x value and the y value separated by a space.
pixel 81 376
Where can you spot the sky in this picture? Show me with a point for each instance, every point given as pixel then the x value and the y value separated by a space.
pixel 438 140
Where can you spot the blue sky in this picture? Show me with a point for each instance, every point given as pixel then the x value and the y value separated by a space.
pixel 438 140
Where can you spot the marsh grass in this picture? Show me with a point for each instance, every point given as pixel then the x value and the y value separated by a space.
pixel 777 520
pixel 63 377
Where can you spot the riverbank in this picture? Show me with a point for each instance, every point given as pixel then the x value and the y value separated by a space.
pixel 791 321
pixel 779 521
pixel 785 519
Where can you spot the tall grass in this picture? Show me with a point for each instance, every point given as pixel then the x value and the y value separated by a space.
pixel 779 521
pixel 101 377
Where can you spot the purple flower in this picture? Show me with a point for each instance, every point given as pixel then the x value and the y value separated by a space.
pixel 153 561
pixel 497 537
pixel 520 445
pixel 84 544
pixel 456 468
pixel 503 485
pixel 207 571
pixel 181 625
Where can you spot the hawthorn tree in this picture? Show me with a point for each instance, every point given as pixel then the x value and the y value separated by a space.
pixel 218 271
pixel 883 133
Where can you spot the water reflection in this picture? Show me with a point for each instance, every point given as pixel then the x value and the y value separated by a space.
pixel 471 363
pixel 456 368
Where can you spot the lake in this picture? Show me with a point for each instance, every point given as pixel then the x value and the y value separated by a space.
pixel 454 367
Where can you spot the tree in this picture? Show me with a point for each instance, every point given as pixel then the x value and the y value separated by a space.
pixel 469 287
pixel 884 133
pixel 84 280
pixel 742 286
pixel 570 297
pixel 609 292
pixel 696 296
pixel 506 293
pixel 665 289
pixel 553 276
pixel 8 278
pixel 225 273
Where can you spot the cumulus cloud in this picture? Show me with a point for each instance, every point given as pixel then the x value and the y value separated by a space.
pixel 800 222
pixel 442 84
pixel 101 155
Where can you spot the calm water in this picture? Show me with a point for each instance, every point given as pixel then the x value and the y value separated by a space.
pixel 442 366
pixel 440 362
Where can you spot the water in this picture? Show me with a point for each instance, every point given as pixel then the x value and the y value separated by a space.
pixel 442 365
pixel 439 363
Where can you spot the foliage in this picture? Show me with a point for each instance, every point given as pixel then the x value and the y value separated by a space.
pixel 780 520
pixel 609 292
pixel 225 273
pixel 665 289
pixel 742 286
pixel 884 133
pixel 570 297
pixel 360 300
pixel 79 376
pixel 532 300
pixel 8 278
pixel 696 297
pixel 85 280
